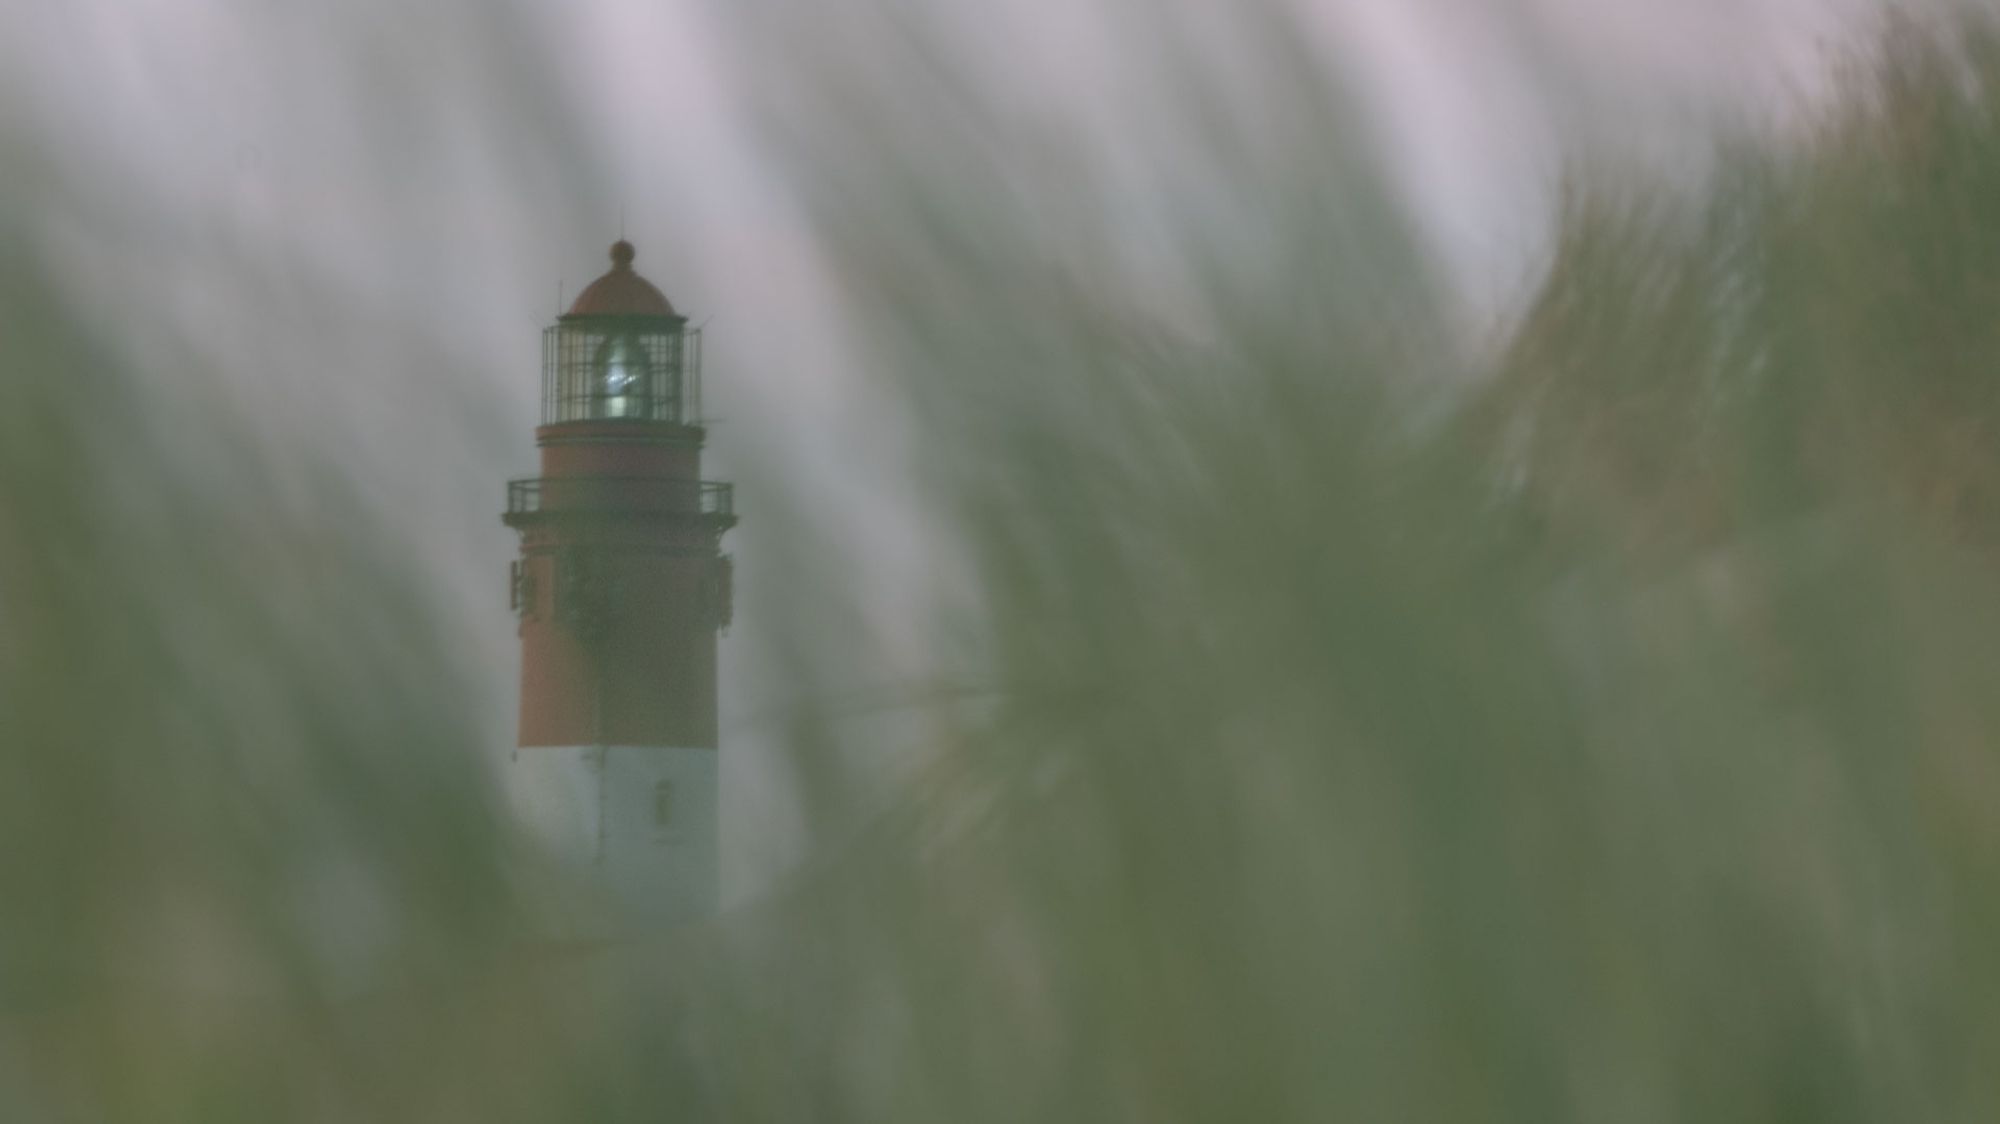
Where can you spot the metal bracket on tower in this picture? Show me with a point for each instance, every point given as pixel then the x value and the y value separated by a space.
pixel 718 594
pixel 521 590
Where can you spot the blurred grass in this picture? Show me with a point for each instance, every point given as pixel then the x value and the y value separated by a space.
pixel 1370 727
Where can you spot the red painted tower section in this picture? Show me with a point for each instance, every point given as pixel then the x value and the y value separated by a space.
pixel 621 586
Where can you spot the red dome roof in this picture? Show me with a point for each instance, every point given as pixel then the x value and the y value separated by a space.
pixel 622 292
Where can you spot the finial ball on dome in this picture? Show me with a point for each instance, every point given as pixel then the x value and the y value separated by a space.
pixel 621 291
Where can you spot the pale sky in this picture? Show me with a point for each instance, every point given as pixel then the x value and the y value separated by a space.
pixel 432 170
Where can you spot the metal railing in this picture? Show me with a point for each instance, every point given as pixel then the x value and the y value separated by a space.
pixel 639 495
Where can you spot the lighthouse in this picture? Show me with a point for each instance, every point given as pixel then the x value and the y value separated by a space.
pixel 621 589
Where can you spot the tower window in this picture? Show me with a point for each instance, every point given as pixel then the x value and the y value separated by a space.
pixel 663 805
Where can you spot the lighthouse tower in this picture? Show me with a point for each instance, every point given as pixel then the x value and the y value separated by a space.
pixel 621 588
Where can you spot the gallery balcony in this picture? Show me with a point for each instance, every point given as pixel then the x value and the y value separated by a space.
pixel 620 496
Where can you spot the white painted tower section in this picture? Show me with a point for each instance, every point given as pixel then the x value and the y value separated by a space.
pixel 639 822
